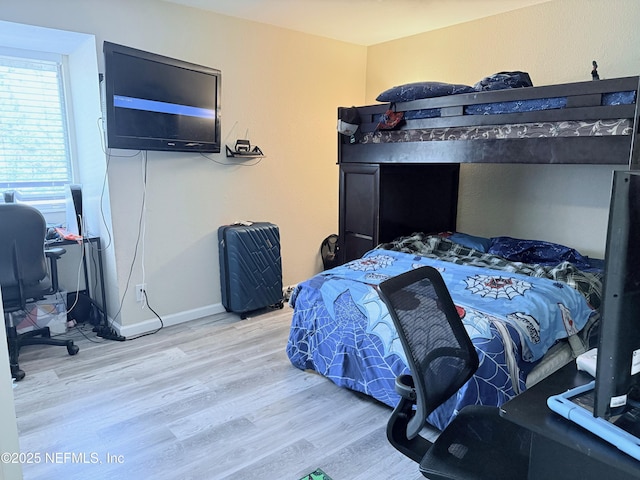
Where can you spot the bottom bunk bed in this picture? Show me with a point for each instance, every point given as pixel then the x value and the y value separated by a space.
pixel 525 319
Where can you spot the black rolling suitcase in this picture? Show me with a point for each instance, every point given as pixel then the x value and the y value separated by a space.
pixel 250 266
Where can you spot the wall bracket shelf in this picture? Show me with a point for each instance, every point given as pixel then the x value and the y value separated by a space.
pixel 243 149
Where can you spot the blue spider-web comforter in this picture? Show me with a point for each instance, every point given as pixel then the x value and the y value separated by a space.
pixel 342 330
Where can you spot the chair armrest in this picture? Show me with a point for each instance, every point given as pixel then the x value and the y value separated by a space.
pixel 405 387
pixel 416 447
pixel 54 253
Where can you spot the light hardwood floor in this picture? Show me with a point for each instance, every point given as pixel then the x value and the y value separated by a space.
pixel 215 398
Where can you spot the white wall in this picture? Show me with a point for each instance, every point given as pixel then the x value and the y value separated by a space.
pixel 280 86
pixel 9 437
pixel 555 42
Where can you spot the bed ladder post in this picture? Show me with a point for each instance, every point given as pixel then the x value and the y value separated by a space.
pixel 634 154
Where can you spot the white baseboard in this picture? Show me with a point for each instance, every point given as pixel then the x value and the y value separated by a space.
pixel 152 324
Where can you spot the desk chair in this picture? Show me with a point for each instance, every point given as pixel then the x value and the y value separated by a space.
pixel 478 443
pixel 24 276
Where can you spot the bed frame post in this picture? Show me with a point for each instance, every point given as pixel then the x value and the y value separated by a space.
pixel 634 154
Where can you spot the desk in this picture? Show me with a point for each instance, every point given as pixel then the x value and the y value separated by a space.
pixel 89 253
pixel 559 448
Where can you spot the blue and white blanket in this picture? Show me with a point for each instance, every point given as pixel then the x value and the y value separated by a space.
pixel 342 330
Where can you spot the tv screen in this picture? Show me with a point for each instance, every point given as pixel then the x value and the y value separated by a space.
pixel 618 362
pixel 160 103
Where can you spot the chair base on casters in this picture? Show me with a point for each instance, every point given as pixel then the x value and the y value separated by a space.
pixel 16 373
pixel 41 336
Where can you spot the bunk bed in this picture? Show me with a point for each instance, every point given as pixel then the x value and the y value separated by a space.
pixel 527 315
pixel 583 123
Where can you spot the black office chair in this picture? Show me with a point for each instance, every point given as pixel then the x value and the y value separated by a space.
pixel 478 443
pixel 24 276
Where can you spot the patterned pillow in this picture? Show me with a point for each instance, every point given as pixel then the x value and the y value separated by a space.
pixel 418 90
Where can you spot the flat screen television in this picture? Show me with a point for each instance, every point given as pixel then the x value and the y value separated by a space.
pixel 155 102
pixel 618 362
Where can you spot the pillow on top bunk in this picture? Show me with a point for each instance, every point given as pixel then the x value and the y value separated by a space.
pixel 502 80
pixel 418 90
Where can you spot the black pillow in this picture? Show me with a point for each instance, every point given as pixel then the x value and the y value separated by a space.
pixel 502 80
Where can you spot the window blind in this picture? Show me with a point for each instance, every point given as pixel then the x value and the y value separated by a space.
pixel 34 146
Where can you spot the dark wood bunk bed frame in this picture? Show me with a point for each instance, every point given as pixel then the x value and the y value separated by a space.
pixel 383 185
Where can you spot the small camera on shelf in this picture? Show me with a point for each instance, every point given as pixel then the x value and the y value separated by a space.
pixel 242 146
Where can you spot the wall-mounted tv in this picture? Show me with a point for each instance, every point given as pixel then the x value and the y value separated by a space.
pixel 155 102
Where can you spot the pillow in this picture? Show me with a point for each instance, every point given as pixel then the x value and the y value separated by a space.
pixel 418 90
pixel 502 80
pixel 536 251
pixel 478 243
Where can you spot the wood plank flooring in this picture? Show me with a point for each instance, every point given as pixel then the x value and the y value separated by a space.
pixel 215 398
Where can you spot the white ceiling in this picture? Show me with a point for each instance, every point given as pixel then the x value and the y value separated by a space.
pixel 363 22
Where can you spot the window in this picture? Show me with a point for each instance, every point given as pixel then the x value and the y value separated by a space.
pixel 35 158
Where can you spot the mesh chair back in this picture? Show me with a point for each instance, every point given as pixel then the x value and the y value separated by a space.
pixel 439 351
pixel 23 265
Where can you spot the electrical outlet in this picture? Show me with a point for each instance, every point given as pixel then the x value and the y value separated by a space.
pixel 140 289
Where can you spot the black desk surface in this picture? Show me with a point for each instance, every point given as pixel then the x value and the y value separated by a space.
pixel 530 411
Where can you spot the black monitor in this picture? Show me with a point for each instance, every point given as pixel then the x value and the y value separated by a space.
pixel 618 363
pixel 155 102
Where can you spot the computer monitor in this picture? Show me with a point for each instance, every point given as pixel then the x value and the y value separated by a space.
pixel 618 363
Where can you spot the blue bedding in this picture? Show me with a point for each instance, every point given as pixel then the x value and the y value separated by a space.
pixel 342 330
pixel 615 98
